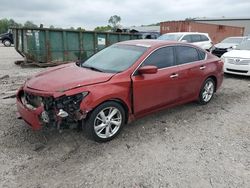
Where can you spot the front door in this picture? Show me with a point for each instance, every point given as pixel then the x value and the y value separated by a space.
pixel 151 91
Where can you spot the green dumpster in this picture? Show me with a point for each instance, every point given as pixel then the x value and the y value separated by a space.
pixel 48 47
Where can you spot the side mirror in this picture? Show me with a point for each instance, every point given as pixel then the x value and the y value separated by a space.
pixel 231 48
pixel 184 41
pixel 148 69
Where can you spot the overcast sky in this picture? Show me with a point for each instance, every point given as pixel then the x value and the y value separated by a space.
pixel 91 13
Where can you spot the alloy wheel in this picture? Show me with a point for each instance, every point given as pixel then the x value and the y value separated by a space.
pixel 107 122
pixel 208 91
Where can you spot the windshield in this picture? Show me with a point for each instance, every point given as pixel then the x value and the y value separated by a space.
pixel 115 58
pixel 244 46
pixel 171 37
pixel 236 40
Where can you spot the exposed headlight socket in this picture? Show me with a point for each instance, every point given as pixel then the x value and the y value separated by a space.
pixel 45 117
pixel 62 113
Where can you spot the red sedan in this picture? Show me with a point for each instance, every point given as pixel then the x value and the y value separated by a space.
pixel 121 83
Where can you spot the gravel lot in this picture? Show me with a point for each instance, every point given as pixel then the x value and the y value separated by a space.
pixel 186 146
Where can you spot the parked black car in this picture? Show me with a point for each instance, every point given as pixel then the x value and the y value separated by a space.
pixel 7 38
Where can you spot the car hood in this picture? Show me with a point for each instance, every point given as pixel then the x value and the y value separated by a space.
pixel 3 34
pixel 244 54
pixel 225 45
pixel 66 77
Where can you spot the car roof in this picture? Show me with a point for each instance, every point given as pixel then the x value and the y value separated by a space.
pixel 150 43
pixel 238 37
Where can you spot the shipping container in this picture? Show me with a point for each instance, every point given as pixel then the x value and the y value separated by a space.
pixel 48 47
pixel 216 32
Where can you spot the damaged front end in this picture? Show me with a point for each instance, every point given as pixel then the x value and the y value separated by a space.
pixel 47 111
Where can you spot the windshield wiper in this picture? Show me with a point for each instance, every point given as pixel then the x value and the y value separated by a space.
pixel 92 68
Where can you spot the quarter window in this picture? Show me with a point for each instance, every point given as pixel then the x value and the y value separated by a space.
pixel 202 54
pixel 161 58
pixel 186 54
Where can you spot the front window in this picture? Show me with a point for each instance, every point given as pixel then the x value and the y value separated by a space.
pixel 244 46
pixel 115 58
pixel 161 58
pixel 170 37
pixel 235 40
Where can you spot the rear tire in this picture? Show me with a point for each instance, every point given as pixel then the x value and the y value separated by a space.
pixel 105 122
pixel 7 43
pixel 207 91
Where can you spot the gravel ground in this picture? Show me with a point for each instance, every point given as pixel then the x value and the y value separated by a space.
pixel 186 146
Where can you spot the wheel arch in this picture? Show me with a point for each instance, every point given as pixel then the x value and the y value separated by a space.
pixel 214 79
pixel 119 101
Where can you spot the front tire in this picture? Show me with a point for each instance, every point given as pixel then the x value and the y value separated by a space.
pixel 7 43
pixel 207 91
pixel 105 122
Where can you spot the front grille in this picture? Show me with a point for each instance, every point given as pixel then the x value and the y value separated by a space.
pixel 239 71
pixel 237 61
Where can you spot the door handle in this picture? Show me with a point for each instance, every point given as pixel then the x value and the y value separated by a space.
pixel 174 75
pixel 202 67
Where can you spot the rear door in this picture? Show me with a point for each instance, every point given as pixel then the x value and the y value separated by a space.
pixel 191 70
pixel 202 41
pixel 151 91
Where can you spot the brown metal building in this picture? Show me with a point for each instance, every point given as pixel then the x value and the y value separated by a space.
pixel 216 32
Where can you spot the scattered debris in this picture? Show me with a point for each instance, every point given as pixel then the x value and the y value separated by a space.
pixel 128 146
pixel 10 96
pixel 38 147
pixel 4 77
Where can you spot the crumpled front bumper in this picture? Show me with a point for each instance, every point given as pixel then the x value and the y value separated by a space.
pixel 31 117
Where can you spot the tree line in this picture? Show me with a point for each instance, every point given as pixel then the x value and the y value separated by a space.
pixel 5 24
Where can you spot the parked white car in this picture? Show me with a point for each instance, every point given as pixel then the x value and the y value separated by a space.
pixel 226 45
pixel 237 61
pixel 199 39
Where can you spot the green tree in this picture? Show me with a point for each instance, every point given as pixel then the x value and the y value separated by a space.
pixel 114 21
pixel 30 24
pixel 103 28
pixel 5 24
pixel 12 23
pixel 80 29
